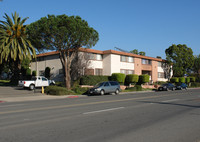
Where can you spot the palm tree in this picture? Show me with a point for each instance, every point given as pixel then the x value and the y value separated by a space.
pixel 14 43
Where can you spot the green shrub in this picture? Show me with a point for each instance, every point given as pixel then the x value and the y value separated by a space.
pixel 143 79
pixel 195 84
pixel 131 78
pixel 28 73
pixel 119 77
pixel 92 79
pixel 34 73
pixel 187 80
pixel 182 79
pixel 135 88
pixel 192 79
pixel 56 90
pixel 47 72
pixel 174 80
pixel 159 82
pixel 80 90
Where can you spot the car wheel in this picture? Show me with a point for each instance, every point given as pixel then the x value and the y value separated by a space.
pixel 31 87
pixel 172 89
pixel 167 89
pixel 102 92
pixel 185 88
pixel 117 91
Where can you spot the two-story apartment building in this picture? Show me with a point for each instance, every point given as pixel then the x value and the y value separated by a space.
pixel 104 63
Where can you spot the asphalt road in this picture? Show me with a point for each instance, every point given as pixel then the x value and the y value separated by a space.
pixel 172 116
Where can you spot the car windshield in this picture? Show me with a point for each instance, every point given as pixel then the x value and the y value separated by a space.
pixel 99 84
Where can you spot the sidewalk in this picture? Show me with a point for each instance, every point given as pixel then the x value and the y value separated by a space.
pixel 16 94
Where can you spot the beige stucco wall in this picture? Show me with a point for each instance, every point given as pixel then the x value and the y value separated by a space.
pixel 51 61
pixel 107 64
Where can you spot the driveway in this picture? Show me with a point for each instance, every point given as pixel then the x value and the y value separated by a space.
pixel 17 94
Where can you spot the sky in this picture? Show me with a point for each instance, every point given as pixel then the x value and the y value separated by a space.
pixel 146 25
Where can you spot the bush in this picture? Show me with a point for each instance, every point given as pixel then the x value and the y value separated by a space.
pixel 192 79
pixel 143 79
pixel 195 84
pixel 28 74
pixel 187 80
pixel 92 79
pixel 135 88
pixel 119 77
pixel 47 72
pixel 174 80
pixel 131 78
pixel 34 73
pixel 56 90
pixel 182 79
pixel 80 90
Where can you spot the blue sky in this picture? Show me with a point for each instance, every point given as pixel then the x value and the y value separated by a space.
pixel 147 25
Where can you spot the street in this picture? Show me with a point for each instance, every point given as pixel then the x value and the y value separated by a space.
pixel 169 116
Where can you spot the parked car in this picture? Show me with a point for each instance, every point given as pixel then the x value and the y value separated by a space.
pixel 181 86
pixel 36 81
pixel 105 87
pixel 167 87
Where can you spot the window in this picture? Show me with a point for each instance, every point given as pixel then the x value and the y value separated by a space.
pixel 146 61
pixel 127 59
pixel 127 71
pixel 99 57
pixel 161 75
pixel 98 71
pixel 93 56
pixel 130 59
pixel 159 64
pixel 41 73
pixel 106 84
pixel 44 79
pixel 123 58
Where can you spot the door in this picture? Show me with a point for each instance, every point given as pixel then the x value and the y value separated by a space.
pixel 45 81
pixel 107 87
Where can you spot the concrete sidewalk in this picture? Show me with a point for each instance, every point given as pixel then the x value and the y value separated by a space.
pixel 17 94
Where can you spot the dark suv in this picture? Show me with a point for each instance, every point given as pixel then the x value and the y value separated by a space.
pixel 106 87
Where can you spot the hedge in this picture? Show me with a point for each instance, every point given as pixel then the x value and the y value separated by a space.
pixel 174 80
pixel 192 79
pixel 135 88
pixel 187 80
pixel 131 78
pixel 182 79
pixel 56 90
pixel 119 77
pixel 34 73
pixel 92 79
pixel 143 79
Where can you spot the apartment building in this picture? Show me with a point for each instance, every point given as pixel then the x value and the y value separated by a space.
pixel 104 63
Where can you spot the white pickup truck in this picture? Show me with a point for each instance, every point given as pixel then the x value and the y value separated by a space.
pixel 36 81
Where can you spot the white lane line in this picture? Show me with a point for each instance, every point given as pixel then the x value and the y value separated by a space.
pixel 111 109
pixel 170 100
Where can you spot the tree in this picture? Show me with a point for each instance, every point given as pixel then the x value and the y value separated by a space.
pixel 142 53
pixel 196 67
pixel 181 57
pixel 65 34
pixel 14 45
pixel 135 51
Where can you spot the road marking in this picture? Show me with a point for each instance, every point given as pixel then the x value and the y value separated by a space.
pixel 74 105
pixel 111 109
pixel 170 100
